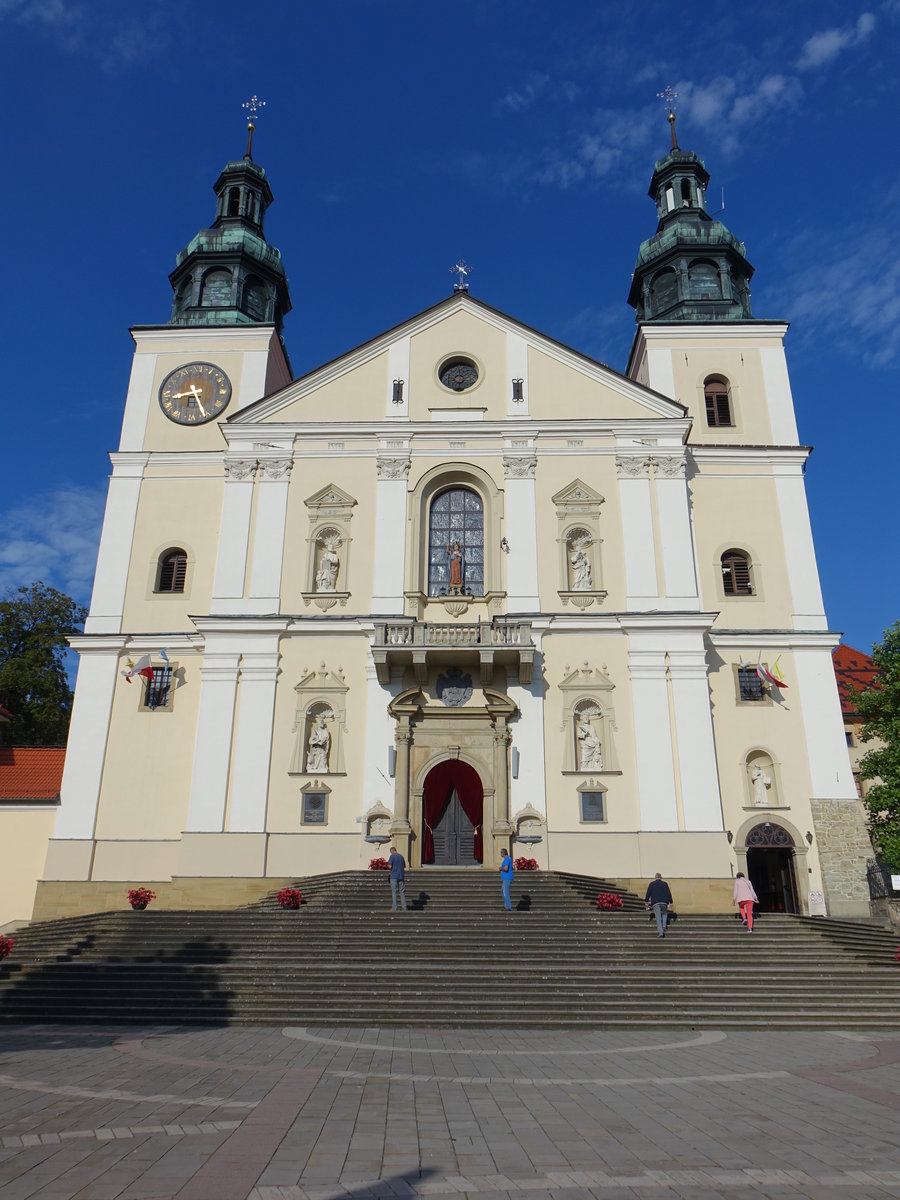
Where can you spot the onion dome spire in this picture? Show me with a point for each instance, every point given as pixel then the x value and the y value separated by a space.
pixel 229 274
pixel 693 268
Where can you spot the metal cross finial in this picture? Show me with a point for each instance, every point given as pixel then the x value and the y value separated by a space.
pixel 462 269
pixel 253 105
pixel 668 98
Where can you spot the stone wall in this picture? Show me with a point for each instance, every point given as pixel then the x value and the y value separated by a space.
pixel 843 846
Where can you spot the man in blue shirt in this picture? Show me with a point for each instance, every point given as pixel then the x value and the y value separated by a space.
pixel 397 863
pixel 507 874
pixel 659 897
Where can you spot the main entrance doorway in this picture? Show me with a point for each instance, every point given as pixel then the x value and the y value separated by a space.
pixel 770 867
pixel 452 815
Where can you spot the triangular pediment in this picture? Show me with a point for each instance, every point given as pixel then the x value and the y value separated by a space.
pixel 357 385
pixel 330 497
pixel 576 493
pixel 586 678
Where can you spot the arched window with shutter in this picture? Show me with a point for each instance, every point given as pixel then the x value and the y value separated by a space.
pixel 172 571
pixel 736 579
pixel 717 395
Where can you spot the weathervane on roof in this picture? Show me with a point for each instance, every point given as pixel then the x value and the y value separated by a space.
pixel 253 105
pixel 462 269
pixel 668 98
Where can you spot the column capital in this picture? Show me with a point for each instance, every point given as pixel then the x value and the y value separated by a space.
pixel 275 468
pixel 635 466
pixel 392 466
pixel 240 469
pixel 519 466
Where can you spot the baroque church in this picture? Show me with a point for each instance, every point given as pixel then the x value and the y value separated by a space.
pixel 461 590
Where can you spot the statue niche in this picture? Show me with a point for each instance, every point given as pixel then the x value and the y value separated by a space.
pixel 761 784
pixel 319 723
pixel 328 561
pixel 588 746
pixel 580 545
pixel 580 567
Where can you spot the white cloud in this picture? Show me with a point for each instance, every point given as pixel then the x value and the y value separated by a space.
pixel 525 96
pixel 53 538
pixel 826 45
pixel 852 295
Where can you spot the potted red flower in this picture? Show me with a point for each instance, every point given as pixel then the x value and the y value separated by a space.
pixel 289 897
pixel 379 864
pixel 140 897
pixel 526 864
pixel 6 945
pixel 609 901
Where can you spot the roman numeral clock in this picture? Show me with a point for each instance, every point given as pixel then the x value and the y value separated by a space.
pixel 195 393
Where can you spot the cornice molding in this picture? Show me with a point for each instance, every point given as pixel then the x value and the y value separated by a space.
pixel 780 639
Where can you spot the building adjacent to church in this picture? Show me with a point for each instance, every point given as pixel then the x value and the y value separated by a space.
pixel 462 588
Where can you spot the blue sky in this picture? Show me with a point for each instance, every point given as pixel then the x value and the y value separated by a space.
pixel 399 136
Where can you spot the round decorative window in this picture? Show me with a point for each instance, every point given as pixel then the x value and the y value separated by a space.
pixel 457 374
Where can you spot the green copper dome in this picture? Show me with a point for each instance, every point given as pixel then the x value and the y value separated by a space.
pixel 693 268
pixel 229 274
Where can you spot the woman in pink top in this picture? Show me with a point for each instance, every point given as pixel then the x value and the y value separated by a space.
pixel 744 896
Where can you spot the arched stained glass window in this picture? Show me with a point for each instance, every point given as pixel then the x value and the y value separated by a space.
pixel 456 515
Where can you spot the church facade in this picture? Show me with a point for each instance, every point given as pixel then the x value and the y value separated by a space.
pixel 462 589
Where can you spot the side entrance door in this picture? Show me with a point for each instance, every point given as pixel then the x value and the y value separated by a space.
pixel 454 836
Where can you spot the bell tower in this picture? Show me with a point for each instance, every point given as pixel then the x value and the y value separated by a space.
pixel 693 268
pixel 229 274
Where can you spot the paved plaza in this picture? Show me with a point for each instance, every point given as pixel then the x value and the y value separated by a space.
pixel 297 1113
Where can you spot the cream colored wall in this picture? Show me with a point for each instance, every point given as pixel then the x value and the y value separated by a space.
pixel 469 335
pixel 740 510
pixel 556 392
pixel 24 833
pixel 357 395
pixel 173 512
pixel 163 434
pixel 149 755
pixel 775 726
pixel 357 477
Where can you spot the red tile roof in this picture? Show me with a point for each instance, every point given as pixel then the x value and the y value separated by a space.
pixel 854 670
pixel 31 772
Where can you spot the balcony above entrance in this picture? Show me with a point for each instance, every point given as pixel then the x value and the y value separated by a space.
pixel 423 645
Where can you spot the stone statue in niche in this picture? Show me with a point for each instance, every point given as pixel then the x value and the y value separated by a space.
pixel 457 558
pixel 318 745
pixel 329 564
pixel 580 565
pixel 760 782
pixel 590 751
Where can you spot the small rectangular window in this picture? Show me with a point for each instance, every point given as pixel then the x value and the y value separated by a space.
pixel 591 806
pixel 517 385
pixel 749 684
pixel 157 691
pixel 848 734
pixel 314 808
pixel 718 409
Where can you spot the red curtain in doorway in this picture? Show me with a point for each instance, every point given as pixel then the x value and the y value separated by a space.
pixel 439 783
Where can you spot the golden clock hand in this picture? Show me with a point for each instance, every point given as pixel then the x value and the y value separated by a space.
pixel 196 394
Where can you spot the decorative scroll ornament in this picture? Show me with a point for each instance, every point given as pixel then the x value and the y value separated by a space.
pixel 391 466
pixel 671 467
pixel 454 689
pixel 519 466
pixel 632 466
pixel 240 468
pixel 275 468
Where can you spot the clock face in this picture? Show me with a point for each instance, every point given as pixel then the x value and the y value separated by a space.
pixel 195 393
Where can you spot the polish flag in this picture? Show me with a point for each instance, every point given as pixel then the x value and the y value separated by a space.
pixel 767 676
pixel 143 667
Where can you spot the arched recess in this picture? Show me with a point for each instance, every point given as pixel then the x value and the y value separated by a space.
pixel 762 781
pixel 449 778
pixel 664 291
pixel 160 569
pixel 215 291
pixel 432 482
pixel 797 852
pixel 703 280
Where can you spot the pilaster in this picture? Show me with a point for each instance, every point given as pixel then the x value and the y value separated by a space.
pixel 253 739
pixel 390 533
pixel 212 745
pixel 637 530
pixel 114 555
pixel 268 541
pixel 521 525
pixel 652 734
pixel 234 533
pixel 698 774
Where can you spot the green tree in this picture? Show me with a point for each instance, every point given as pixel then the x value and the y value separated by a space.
pixel 879 707
pixel 34 624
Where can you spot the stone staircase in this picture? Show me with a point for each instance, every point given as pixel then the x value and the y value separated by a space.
pixel 455 959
